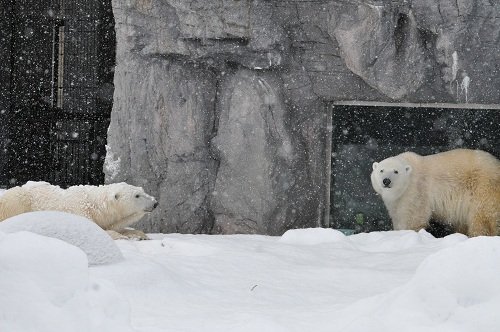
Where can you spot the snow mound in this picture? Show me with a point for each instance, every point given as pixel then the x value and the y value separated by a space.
pixel 312 236
pixel 189 248
pixel 76 230
pixel 45 285
pixel 394 241
pixel 456 288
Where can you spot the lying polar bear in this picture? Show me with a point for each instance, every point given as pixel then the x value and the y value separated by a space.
pixel 113 207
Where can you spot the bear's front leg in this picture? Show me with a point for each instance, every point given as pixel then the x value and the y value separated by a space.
pixel 127 234
pixel 419 222
pixel 134 234
pixel 411 215
pixel 116 236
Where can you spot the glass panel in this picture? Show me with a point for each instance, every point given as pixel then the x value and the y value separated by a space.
pixel 364 134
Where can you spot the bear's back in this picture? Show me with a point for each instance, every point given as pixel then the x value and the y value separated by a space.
pixel 465 164
pixel 47 197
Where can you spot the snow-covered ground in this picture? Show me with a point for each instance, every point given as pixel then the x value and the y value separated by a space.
pixel 307 280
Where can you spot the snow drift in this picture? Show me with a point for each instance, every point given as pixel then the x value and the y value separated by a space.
pixel 307 280
pixel 76 230
pixel 45 286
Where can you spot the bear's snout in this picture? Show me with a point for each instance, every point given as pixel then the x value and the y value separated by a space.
pixel 386 182
pixel 152 206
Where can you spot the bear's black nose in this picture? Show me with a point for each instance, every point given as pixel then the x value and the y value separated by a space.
pixel 386 182
pixel 155 205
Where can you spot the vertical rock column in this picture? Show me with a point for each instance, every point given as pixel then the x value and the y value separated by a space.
pixel 158 138
pixel 255 154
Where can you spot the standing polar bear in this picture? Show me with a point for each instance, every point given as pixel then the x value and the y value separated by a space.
pixel 113 207
pixel 459 188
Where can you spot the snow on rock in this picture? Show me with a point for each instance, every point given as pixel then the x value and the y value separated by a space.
pixel 76 230
pixel 111 164
pixel 45 287
pixel 312 236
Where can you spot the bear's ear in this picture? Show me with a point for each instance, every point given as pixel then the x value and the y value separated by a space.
pixel 374 166
pixel 408 169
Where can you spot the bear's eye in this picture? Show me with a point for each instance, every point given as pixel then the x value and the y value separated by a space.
pixel 381 171
pixel 396 171
pixel 136 195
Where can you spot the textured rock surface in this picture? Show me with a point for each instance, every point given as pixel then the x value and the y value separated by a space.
pixel 158 139
pixel 219 107
pixel 421 50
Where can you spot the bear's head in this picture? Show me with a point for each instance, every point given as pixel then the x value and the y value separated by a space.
pixel 391 177
pixel 130 203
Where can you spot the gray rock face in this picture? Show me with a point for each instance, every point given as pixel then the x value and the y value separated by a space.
pixel 158 139
pixel 379 45
pixel 422 50
pixel 219 106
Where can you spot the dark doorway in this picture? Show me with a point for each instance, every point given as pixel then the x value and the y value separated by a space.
pixel 56 98
pixel 364 134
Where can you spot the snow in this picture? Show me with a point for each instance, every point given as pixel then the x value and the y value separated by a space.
pixel 306 280
pixel 45 286
pixel 312 236
pixel 111 164
pixel 76 230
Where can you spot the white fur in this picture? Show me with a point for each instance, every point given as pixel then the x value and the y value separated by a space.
pixel 459 187
pixel 113 207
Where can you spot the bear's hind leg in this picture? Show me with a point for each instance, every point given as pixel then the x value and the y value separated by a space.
pixel 439 229
pixel 482 224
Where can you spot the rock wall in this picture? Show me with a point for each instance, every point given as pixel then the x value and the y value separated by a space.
pixel 220 105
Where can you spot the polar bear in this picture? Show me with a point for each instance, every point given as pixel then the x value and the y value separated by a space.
pixel 459 188
pixel 114 207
